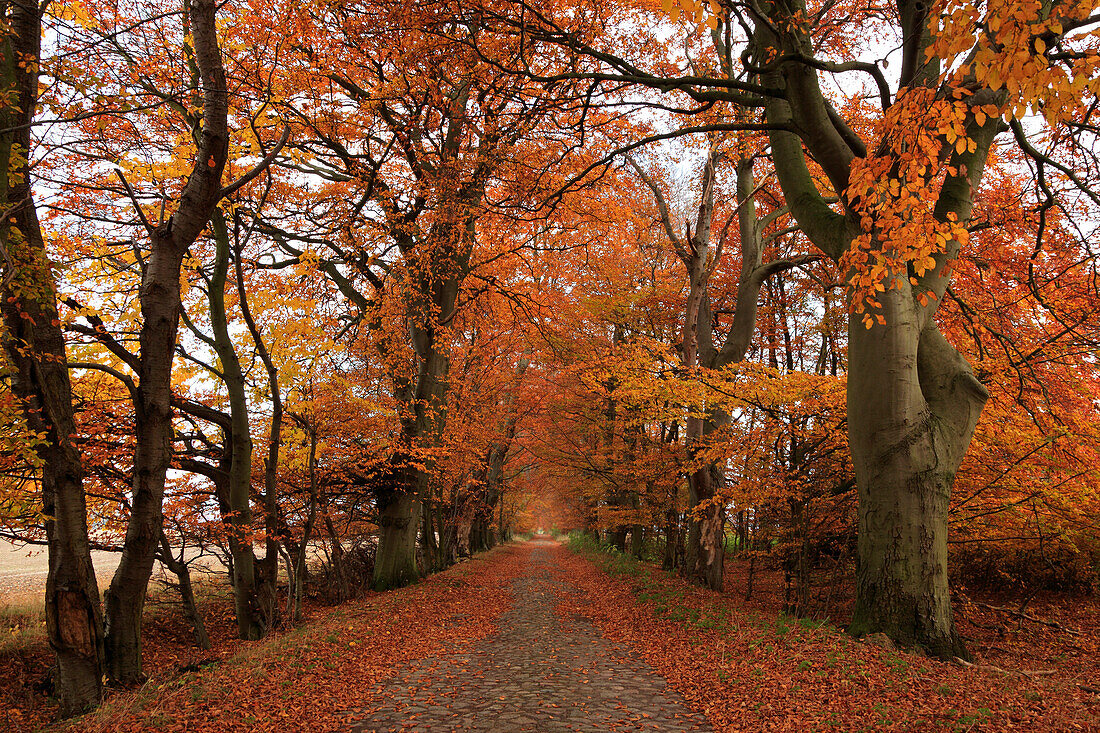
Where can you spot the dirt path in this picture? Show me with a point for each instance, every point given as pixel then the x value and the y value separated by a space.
pixel 540 671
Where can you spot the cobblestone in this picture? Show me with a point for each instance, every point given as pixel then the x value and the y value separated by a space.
pixel 538 672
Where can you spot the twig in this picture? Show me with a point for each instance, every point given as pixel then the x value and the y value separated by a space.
pixel 991 668
pixel 1029 617
pixel 133 200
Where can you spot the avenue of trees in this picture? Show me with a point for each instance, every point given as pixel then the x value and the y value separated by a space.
pixel 810 283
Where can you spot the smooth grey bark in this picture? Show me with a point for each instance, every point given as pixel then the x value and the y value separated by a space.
pixel 160 307
pixel 398 525
pixel 913 401
pixel 35 349
pixel 423 407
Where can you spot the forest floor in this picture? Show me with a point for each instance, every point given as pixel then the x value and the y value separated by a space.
pixel 534 636
pixel 749 667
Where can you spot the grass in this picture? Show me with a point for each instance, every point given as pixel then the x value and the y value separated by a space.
pixel 841 684
pixel 22 623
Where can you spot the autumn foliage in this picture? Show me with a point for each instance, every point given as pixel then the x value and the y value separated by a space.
pixel 331 296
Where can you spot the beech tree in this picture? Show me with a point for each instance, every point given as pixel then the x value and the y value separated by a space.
pixel 706 536
pixel 170 233
pixel 38 373
pixel 410 138
pixel 906 185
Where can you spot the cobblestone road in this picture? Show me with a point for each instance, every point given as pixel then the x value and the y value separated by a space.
pixel 539 672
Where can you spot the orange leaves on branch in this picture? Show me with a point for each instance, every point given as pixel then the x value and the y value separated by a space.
pixel 1023 48
pixel 903 241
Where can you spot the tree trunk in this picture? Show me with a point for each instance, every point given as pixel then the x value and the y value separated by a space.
pixel 125 598
pixel 424 402
pixel 464 525
pixel 672 539
pixel 398 527
pixel 637 540
pixel 705 551
pixel 40 379
pixel 250 622
pixel 268 567
pixel 913 404
pixel 298 555
pixel 704 557
pixel 187 592
pixel 479 534
pixel 429 538
pixel 160 306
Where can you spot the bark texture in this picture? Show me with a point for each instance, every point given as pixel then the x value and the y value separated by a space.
pixel 35 349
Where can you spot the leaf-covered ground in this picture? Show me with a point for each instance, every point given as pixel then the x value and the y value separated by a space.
pixel 751 668
pixel 301 680
pixel 448 642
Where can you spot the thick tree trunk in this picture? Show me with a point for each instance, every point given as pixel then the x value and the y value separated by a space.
pixel 429 539
pixel 482 536
pixel 398 527
pixel 125 598
pixel 424 402
pixel 704 556
pixel 34 345
pixel 637 540
pixel 913 404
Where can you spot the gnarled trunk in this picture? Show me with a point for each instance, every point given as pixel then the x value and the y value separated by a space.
pixel 913 405
pixel 704 552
